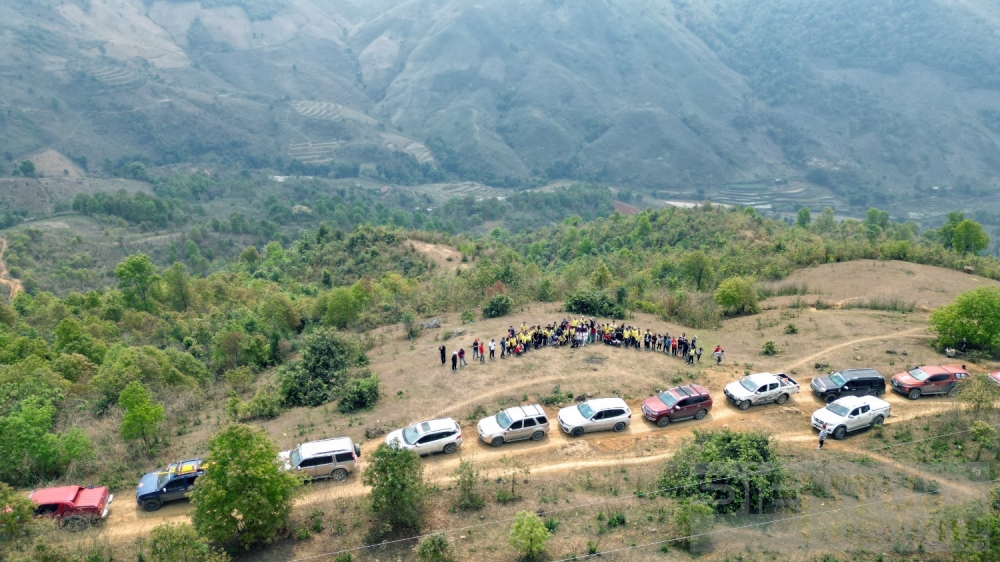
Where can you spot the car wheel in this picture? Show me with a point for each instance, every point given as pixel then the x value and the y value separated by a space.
pixel 871 393
pixel 74 523
pixel 839 433
pixel 619 426
pixel 701 414
pixel 782 399
pixel 914 394
pixel 663 422
pixel 497 441
pixel 152 504
pixel 339 474
pixel 745 405
pixel 577 431
pixel 450 448
pixel 537 436
pixel 829 398
pixel 952 392
pixel 878 421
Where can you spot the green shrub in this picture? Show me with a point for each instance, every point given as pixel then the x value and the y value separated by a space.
pixel 434 548
pixel 497 306
pixel 769 348
pixel 326 363
pixel 265 404
pixel 737 296
pixel 359 394
pixel 791 329
pixel 594 303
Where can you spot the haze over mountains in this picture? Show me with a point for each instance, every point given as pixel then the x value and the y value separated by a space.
pixel 849 103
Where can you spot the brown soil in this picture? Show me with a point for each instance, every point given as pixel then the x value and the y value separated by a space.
pixel 625 208
pixel 446 257
pixel 13 286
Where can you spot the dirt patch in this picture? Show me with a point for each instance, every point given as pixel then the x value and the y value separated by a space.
pixel 11 285
pixel 445 257
pixel 625 208
pixel 52 163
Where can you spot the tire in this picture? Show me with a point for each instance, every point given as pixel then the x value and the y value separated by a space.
pixel 577 432
pixel 620 426
pixel 871 393
pixel 829 398
pixel 952 391
pixel 744 405
pixel 339 474
pixel 782 399
pixel 914 394
pixel 74 523
pixel 877 421
pixel 839 433
pixel 450 448
pixel 151 504
pixel 537 436
pixel 701 414
pixel 497 441
pixel 663 422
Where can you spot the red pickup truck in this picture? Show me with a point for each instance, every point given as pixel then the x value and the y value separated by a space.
pixel 926 380
pixel 75 507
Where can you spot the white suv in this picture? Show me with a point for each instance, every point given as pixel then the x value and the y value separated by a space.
pixel 328 458
pixel 514 424
pixel 600 414
pixel 432 436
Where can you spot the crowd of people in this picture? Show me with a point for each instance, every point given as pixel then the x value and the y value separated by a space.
pixel 580 332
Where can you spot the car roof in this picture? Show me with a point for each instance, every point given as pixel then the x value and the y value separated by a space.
pixel 761 378
pixel 941 369
pixel 601 403
pixel 314 448
pixel 521 412
pixel 855 401
pixel 183 468
pixel 689 390
pixel 62 494
pixel 858 373
pixel 435 425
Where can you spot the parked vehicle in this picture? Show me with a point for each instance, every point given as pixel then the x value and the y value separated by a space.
pixel 599 414
pixel 432 436
pixel 172 483
pixel 995 377
pixel 851 413
pixel 75 507
pixel 849 382
pixel 926 380
pixel 514 424
pixel 761 388
pixel 327 458
pixel 681 403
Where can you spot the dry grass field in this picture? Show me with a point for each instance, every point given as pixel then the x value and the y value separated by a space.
pixel 581 482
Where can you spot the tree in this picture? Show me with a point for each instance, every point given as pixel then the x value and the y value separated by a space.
pixel 179 543
pixel 434 548
pixel 878 218
pixel 26 168
pixel 340 307
pixel 602 276
pixel 974 317
pixel 969 237
pixel 497 306
pixel 697 268
pixel 142 416
pixel 17 512
pixel 136 275
pixel 246 495
pixel 396 477
pixel 803 218
pixel 825 222
pixel 946 234
pixel 984 434
pixel 360 393
pixel 513 470
pixel 528 535
pixel 980 394
pixel 467 482
pixel 178 286
pixel 737 296
pixel 326 361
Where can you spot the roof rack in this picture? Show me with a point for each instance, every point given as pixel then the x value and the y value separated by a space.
pixel 686 390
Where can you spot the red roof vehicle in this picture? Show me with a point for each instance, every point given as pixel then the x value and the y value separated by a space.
pixel 927 379
pixel 683 402
pixel 75 507
pixel 995 377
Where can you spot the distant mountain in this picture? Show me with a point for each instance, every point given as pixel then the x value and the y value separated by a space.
pixel 849 103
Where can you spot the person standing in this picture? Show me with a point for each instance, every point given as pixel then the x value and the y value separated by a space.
pixel 461 357
pixel 475 349
pixel 493 349
pixel 700 351
pixel 503 347
pixel 482 353
pixel 444 354
pixel 822 435
pixel 690 357
pixel 454 361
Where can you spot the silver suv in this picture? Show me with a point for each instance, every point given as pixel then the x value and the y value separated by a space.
pixel 432 436
pixel 329 458
pixel 514 424
pixel 600 414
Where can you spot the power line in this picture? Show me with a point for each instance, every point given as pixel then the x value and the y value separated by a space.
pixel 598 502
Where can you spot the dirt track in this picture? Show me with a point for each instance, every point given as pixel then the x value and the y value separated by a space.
pixel 13 285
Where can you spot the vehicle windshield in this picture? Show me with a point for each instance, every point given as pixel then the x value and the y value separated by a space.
pixel 295 457
pixel 748 384
pixel 919 375
pixel 838 409
pixel 161 481
pixel 585 410
pixel 669 400
pixel 411 434
pixel 504 420
pixel 838 379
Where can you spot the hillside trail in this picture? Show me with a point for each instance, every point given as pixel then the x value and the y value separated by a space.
pixel 14 286
pixel 911 333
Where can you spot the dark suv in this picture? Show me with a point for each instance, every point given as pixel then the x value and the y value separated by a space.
pixel 849 382
pixel 173 483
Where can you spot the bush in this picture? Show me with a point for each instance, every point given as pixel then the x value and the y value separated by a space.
pixel 594 303
pixel 694 518
pixel 17 513
pixel 737 296
pixel 467 482
pixel 359 394
pixel 497 306
pixel 170 542
pixel 434 548
pixel 468 317
pixel 769 348
pixel 410 325
pixel 974 316
pixel 528 535
pixel 326 363
pixel 791 329
pixel 265 404
pixel 396 477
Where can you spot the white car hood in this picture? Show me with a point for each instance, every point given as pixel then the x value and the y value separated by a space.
pixel 736 389
pixel 489 426
pixel 831 419
pixel 571 416
pixel 397 437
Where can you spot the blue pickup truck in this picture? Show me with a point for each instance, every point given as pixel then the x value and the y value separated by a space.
pixel 172 483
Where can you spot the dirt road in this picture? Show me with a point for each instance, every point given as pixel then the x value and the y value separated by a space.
pixel 13 286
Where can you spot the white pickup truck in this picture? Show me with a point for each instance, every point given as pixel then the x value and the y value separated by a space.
pixel 761 388
pixel 851 413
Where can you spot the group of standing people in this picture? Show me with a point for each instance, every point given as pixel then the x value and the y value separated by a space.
pixel 579 333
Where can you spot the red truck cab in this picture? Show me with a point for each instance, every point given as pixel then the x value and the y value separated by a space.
pixel 927 380
pixel 75 507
